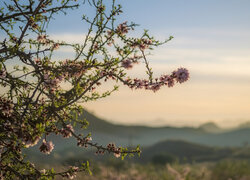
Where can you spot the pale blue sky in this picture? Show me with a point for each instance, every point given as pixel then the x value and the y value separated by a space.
pixel 164 14
pixel 212 40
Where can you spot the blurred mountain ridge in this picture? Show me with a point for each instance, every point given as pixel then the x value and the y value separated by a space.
pixel 209 134
pixel 205 138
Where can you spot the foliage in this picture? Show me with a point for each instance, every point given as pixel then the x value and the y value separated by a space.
pixel 163 158
pixel 41 96
pixel 227 169
pixel 231 169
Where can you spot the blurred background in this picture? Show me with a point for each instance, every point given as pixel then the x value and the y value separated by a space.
pixel 211 39
pixel 196 130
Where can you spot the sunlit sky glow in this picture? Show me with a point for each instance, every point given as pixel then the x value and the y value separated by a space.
pixel 211 39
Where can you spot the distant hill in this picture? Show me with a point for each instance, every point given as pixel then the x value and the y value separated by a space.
pixel 184 152
pixel 207 134
pixel 163 152
pixel 161 144
pixel 104 132
pixel 210 127
pixel 244 125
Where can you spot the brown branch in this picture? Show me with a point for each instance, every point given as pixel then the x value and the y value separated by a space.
pixel 98 147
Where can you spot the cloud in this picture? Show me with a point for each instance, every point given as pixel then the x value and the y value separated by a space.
pixel 218 88
pixel 203 32
pixel 69 37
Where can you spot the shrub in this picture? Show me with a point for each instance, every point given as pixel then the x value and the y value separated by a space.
pixel 41 96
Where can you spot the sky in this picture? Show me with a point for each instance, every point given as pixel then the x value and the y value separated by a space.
pixel 211 40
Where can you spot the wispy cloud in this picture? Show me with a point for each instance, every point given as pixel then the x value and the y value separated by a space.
pixel 69 37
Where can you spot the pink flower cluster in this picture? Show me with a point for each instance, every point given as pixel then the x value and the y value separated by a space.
pixel 67 69
pixel 142 44
pixel 66 132
pixel 83 142
pixel 43 40
pixel 127 64
pixel 72 172
pixel 6 107
pixel 46 147
pixel 51 83
pixel 43 171
pixel 55 46
pixel 122 28
pixel 117 151
pixel 38 61
pixel 73 68
pixel 31 141
pixel 110 40
pixel 180 76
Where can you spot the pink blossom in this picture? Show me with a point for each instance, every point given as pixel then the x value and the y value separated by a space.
pixel 182 75
pixel 46 147
pixel 88 139
pixel 170 82
pixel 155 87
pixel 66 132
pixel 139 83
pixel 127 64
pixel 32 142
pixel 70 175
pixel 117 151
pixel 110 42
pixel 41 39
pixel 55 46
pixel 73 69
pixel 109 33
pixel 143 46
pixel 43 171
pixel 38 61
pixel 122 28
pixel 51 83
pixel 117 154
pixel 6 107
pixel 84 141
